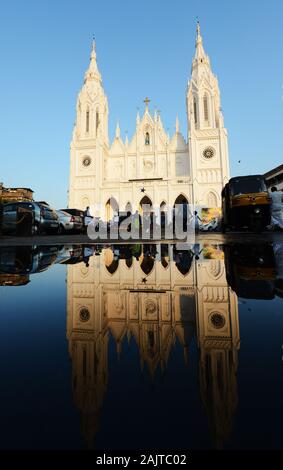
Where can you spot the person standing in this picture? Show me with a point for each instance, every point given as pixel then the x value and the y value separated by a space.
pixel 197 221
pixel 276 208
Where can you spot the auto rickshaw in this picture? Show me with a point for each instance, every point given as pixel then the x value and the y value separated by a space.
pixel 246 204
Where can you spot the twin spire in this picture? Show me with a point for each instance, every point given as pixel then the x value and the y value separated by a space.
pixel 92 72
pixel 200 55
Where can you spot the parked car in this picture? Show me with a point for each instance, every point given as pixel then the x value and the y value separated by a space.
pixel 69 222
pixel 86 220
pixel 29 218
pixel 77 213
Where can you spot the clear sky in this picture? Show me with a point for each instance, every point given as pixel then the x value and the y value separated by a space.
pixel 144 48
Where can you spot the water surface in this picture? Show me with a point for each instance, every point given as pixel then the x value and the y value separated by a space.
pixel 141 347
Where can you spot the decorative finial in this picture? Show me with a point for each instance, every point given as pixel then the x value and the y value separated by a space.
pixel 146 101
pixel 177 124
pixel 155 114
pixel 93 53
pixel 117 130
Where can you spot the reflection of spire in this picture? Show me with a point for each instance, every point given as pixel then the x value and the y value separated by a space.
pixel 186 355
pixel 119 350
pixel 218 387
pixel 90 426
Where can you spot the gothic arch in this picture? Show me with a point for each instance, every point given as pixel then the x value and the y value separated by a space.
pixel 147 264
pixel 211 199
pixel 87 119
pixel 129 262
pixel 85 201
pixel 97 120
pixel 182 207
pixel 110 262
pixel 183 262
pixel 165 260
pixel 143 201
pixel 163 206
pixel 195 110
pixel 163 214
pixel 111 208
pixel 129 207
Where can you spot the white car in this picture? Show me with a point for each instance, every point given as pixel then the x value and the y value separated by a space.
pixel 69 222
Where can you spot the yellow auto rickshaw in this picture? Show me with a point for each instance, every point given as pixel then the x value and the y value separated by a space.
pixel 246 204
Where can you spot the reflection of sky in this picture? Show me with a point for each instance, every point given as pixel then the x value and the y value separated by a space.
pixel 139 412
pixel 258 421
pixel 36 406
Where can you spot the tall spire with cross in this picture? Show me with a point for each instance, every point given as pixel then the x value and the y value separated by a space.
pixel 92 72
pixel 200 56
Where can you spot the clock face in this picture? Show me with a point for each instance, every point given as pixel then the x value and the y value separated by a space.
pixel 86 161
pixel 208 152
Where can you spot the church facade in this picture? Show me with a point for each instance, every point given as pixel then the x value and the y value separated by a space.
pixel 150 168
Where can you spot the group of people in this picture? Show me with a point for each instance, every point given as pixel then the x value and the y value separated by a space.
pixel 276 209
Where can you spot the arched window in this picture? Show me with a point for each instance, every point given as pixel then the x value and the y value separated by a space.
pixel 87 120
pixel 205 108
pixel 96 121
pixel 195 111
pixel 211 200
pixel 147 139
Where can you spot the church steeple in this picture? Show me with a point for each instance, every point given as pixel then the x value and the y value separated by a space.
pixel 92 72
pixel 209 161
pixel 203 97
pixel 200 56
pixel 92 105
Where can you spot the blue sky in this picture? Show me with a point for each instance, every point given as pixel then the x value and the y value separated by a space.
pixel 144 48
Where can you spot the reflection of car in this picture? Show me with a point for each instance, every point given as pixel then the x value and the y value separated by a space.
pixel 251 270
pixel 29 218
pixel 210 226
pixel 69 222
pixel 26 260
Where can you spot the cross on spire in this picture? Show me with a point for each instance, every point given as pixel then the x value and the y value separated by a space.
pixel 146 101
pixel 198 26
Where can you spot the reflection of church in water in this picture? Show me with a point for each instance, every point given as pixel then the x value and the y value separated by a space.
pixel 156 298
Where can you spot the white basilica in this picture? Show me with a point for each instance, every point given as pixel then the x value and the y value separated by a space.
pixel 151 168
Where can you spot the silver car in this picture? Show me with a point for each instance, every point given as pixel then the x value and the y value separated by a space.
pixel 69 222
